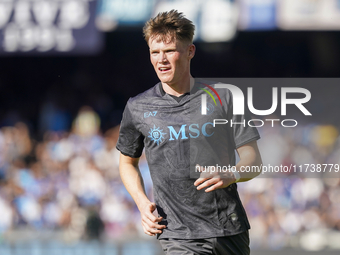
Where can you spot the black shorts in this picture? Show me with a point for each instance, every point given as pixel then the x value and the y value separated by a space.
pixel 227 245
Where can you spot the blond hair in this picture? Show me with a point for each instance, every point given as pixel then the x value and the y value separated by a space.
pixel 169 26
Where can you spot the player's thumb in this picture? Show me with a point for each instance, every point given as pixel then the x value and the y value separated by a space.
pixel 152 207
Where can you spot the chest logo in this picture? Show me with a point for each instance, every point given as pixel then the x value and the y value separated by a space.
pixel 156 135
pixel 150 114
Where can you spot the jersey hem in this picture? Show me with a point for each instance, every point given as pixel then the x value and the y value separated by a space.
pixel 127 154
pixel 160 237
pixel 248 141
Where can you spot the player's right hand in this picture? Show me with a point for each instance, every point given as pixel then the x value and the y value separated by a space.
pixel 150 221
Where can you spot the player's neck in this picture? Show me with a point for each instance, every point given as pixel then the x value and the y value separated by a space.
pixel 179 89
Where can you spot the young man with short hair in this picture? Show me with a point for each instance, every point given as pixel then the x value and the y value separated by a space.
pixel 201 215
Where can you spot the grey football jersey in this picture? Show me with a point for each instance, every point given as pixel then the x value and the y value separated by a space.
pixel 176 137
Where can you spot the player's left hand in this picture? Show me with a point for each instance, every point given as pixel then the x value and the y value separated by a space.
pixel 214 180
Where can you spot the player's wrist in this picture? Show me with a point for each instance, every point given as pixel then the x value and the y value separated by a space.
pixel 142 203
pixel 237 176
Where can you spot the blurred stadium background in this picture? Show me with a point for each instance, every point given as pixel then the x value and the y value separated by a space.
pixel 67 68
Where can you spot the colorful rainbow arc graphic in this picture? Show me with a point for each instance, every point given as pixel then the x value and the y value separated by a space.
pixel 213 90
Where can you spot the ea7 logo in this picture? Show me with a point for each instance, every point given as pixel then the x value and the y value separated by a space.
pixel 150 114
pixel 238 100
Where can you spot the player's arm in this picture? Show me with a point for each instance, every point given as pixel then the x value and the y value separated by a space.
pixel 133 182
pixel 249 157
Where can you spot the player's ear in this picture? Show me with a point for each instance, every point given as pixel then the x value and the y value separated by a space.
pixel 191 51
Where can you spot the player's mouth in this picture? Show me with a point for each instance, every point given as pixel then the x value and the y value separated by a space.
pixel 164 69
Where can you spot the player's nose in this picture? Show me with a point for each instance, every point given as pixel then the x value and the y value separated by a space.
pixel 162 57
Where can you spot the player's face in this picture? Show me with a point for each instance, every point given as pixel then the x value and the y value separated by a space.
pixel 171 60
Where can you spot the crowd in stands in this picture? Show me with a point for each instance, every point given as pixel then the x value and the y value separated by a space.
pixel 296 209
pixel 69 181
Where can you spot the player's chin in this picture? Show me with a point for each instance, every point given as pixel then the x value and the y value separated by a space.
pixel 164 78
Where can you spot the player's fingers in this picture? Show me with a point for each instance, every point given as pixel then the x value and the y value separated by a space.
pixel 152 228
pixel 215 186
pixel 153 218
pixel 148 232
pixel 146 228
pixel 149 215
pixel 152 224
pixel 208 183
pixel 200 180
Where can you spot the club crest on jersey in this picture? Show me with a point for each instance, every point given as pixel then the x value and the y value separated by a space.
pixel 156 134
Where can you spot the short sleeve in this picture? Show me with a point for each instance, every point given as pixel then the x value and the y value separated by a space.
pixel 243 133
pixel 130 141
